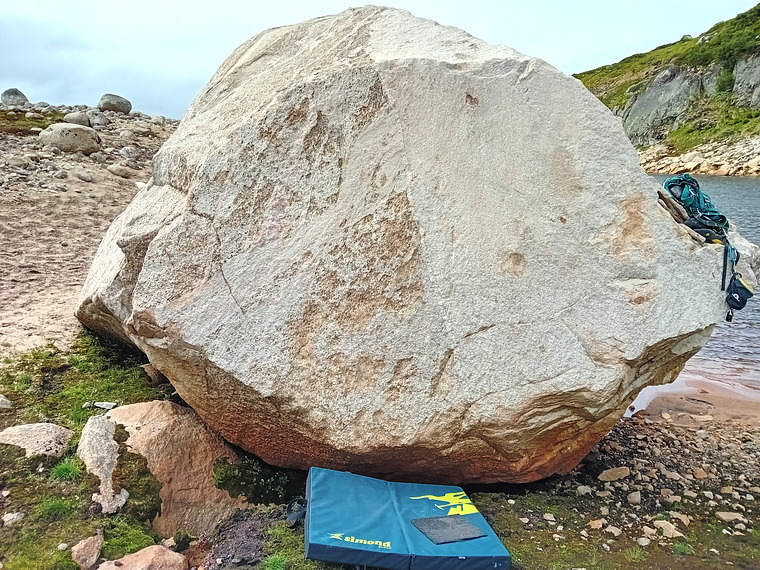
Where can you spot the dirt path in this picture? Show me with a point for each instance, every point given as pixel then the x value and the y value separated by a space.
pixel 52 221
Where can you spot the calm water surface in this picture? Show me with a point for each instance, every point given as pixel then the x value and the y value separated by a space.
pixel 732 354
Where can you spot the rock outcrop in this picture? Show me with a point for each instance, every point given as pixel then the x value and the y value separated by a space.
pixel 662 104
pixel 651 114
pixel 410 255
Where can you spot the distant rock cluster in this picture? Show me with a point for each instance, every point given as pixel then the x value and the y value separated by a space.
pixel 740 158
pixel 110 136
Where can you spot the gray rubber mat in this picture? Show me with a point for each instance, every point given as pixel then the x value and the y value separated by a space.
pixel 453 528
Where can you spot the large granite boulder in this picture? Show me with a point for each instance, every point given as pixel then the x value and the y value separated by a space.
pixel 379 244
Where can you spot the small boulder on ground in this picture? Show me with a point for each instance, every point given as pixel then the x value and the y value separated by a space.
pixel 71 138
pixel 77 118
pixel 154 557
pixel 38 439
pixel 13 96
pixel 87 551
pixel 97 118
pixel 111 102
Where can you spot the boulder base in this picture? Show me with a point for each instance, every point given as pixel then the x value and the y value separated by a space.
pixel 381 245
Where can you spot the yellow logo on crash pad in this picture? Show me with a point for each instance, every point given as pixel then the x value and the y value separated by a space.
pixel 457 503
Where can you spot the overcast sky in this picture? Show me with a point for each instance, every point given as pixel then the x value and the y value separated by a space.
pixel 160 53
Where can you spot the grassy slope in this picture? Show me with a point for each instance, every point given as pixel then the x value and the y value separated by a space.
pixel 711 119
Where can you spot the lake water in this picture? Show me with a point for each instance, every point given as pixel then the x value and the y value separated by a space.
pixel 732 355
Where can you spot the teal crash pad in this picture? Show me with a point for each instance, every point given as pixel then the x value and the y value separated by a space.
pixel 352 519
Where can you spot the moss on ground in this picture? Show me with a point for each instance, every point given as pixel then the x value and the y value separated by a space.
pixel 257 481
pixel 16 122
pixel 51 385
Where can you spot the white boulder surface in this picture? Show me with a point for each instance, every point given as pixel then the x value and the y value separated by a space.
pixel 378 244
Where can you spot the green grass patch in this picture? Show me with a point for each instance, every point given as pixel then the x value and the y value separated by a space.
pixel 714 119
pixel 635 554
pixel 16 122
pixel 124 535
pixel 47 384
pixel 682 549
pixel 68 469
pixel 284 548
pixel 59 508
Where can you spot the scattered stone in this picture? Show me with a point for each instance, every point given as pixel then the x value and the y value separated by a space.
pixel 634 498
pixel 87 552
pixel 13 97
pixel 643 541
pixel 730 517
pixel 597 524
pixel 668 529
pixel 5 403
pixel 97 118
pixel 699 473
pixel 33 115
pixel 83 175
pixel 154 557
pixel 63 546
pixel 111 102
pixel 119 170
pixel 614 474
pixel 613 530
pixel 583 490
pixel 12 518
pixel 105 405
pixel 681 517
pixel 38 439
pixel 726 490
pixel 71 138
pixel 549 517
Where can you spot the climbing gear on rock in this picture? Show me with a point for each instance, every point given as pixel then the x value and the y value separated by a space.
pixel 704 218
pixel 707 221
pixel 738 292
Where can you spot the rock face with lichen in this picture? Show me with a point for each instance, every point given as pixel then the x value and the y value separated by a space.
pixel 379 244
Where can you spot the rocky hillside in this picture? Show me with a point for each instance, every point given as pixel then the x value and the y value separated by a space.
pixel 691 92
